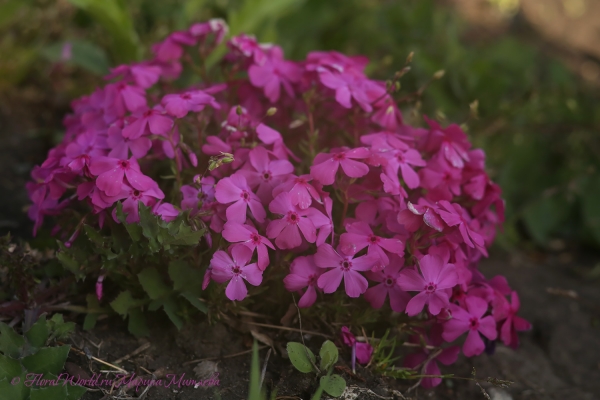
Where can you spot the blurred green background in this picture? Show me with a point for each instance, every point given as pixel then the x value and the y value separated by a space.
pixel 538 121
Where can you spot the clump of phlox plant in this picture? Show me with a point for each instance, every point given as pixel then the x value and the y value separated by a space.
pixel 306 161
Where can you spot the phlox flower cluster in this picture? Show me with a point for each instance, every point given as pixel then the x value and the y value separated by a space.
pixel 310 161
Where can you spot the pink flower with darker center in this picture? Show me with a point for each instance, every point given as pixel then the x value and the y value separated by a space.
pixel 513 323
pixel 470 320
pixel 388 285
pixel 325 165
pixel 360 235
pixel 178 105
pixel 273 73
pixel 111 172
pixel 235 190
pixel 235 232
pixel 153 121
pixel 432 283
pixel 264 173
pixel 301 192
pixel 454 215
pixel 235 269
pixel 286 230
pixel 303 274
pixel 342 267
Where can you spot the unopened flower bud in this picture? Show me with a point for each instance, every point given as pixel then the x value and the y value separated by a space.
pixel 239 110
pixel 410 57
pixel 397 86
pixel 226 158
pixel 439 74
pixel 271 111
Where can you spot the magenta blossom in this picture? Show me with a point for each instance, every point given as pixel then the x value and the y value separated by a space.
pixel 247 235
pixel 513 323
pixel 273 73
pixel 435 278
pixel 388 278
pixel 178 105
pixel 121 146
pixel 342 267
pixel 265 173
pixel 470 320
pixel 454 215
pixel 235 269
pixel 304 273
pixel 326 165
pixel 301 192
pixel 286 230
pixel 360 351
pixel 235 190
pixel 360 235
pixel 112 171
pixel 152 121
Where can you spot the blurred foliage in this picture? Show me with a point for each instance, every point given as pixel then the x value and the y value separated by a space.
pixel 537 122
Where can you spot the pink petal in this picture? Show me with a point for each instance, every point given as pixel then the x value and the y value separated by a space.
pixel 110 182
pixel 355 283
pixel 289 237
pixel 226 192
pixel 487 326
pixel 257 209
pixel 409 280
pixel 327 257
pixel 376 295
pixel 308 298
pixel 354 169
pixel 330 280
pixel 236 212
pixel 410 176
pixel 437 301
pixel 308 229
pixel 416 304
pixel 474 344
pixel 325 171
pixel 236 289
pixel 252 274
pixel 454 328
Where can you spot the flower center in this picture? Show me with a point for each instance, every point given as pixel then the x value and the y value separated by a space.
pixel 346 265
pixel 236 270
pixel 430 287
pixel 245 195
pixel 148 113
pixel 124 164
pixel 186 96
pixel 267 175
pixel 255 238
pixel 474 323
pixel 300 181
pixel 339 156
pixel 135 194
pixel 312 280
pixel 292 217
pixel 389 281
pixel 373 239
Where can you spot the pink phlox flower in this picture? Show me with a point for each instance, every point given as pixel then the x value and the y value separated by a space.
pixel 42 206
pixel 432 284
pixel 403 160
pixel 301 192
pixel 325 165
pixel 120 98
pixel 270 136
pixel 215 146
pixel 172 47
pixel 249 47
pixel 336 61
pixel 452 141
pixel 247 235
pixel 111 173
pixel 388 285
pixel 441 179
pixel 273 73
pixel 143 75
pixel 235 269
pixel 454 215
pixel 360 350
pixel 178 105
pixel 470 320
pixel 447 356
pixel 348 85
pixel 121 146
pixel 303 274
pixel 360 235
pixel 235 190
pixel 286 230
pixel 513 323
pixel 217 26
pixel 391 185
pixel 207 277
pixel 387 114
pixel 149 197
pixel 78 153
pixel 166 211
pixel 195 198
pixel 343 267
pixel 150 121
pixel 264 173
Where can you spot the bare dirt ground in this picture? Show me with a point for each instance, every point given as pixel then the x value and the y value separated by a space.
pixel 558 359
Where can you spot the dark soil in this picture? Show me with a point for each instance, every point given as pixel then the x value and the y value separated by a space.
pixel 558 359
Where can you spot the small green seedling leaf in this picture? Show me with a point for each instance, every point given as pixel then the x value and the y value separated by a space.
pixel 334 385
pixel 299 356
pixel 38 333
pixel 329 355
pixel 9 368
pixel 153 283
pixel 10 342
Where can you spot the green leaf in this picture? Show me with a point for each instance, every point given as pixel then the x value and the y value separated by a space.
pixel 84 54
pixel 92 316
pixel 47 360
pixel 334 385
pixel 137 323
pixel 8 9
pixel 124 302
pixel 9 367
pixel 591 206
pixel 185 237
pixel 10 342
pixel 148 222
pixel 94 235
pixel 170 307
pixel 299 358
pixel 74 392
pixel 14 389
pixel 153 283
pixel 59 328
pixel 68 262
pixel 329 355
pixel 185 277
pixel 38 333
pixel 49 392
pixel 117 21
pixel 254 392
pixel 195 301
pixel 134 230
